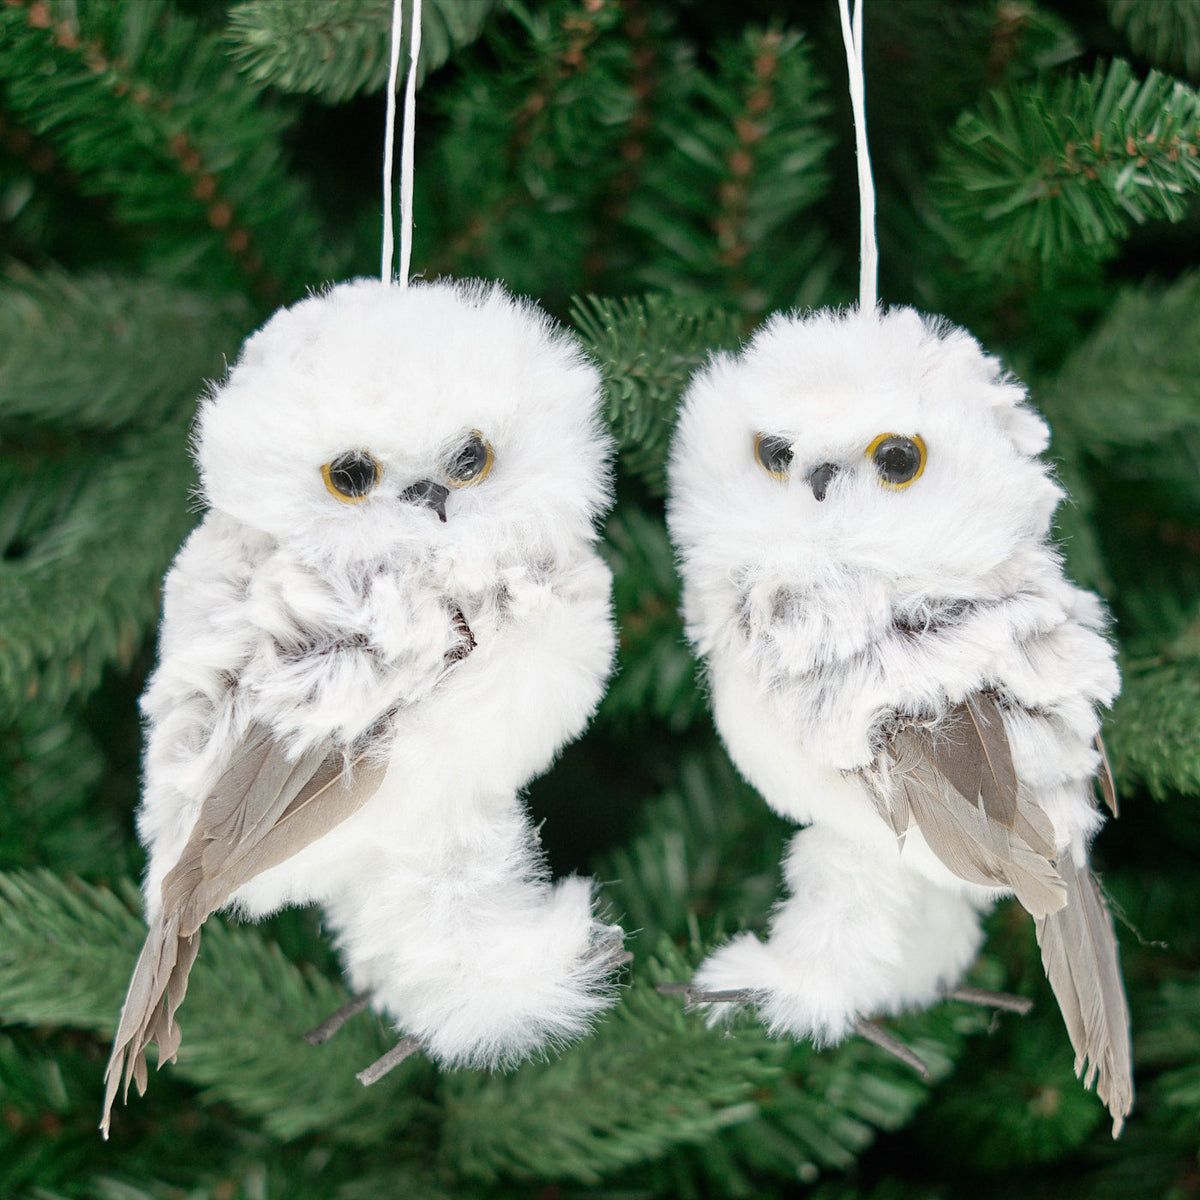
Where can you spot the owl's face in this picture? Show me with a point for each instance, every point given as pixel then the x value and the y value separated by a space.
pixel 374 421
pixel 885 445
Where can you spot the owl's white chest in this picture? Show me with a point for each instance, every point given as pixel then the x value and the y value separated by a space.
pixel 458 759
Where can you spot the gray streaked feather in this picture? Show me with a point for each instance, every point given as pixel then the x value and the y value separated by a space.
pixel 147 1015
pixel 1079 953
pixel 977 848
pixel 1104 777
pixel 972 751
pixel 960 789
pixel 263 809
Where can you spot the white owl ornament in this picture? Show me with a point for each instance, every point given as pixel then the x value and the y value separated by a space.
pixel 898 663
pixel 392 618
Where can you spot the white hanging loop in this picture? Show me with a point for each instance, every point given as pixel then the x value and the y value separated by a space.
pixel 868 252
pixel 406 143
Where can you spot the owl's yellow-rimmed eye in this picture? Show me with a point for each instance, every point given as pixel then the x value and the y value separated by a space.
pixel 774 454
pixel 352 476
pixel 472 462
pixel 898 459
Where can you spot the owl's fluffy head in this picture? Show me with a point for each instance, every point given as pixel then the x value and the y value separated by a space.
pixel 403 392
pixel 821 391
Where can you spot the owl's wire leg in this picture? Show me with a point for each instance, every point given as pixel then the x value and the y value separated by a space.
pixel 693 995
pixel 880 1037
pixel 334 1022
pixel 865 1029
pixel 393 1058
pixel 986 999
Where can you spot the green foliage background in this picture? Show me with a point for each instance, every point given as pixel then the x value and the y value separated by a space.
pixel 660 175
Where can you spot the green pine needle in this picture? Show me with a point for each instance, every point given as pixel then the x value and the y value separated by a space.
pixel 336 49
pixel 246 1011
pixel 1050 170
pixel 1151 735
pixel 740 161
pixel 101 351
pixel 89 520
pixel 1165 31
pixel 707 846
pixel 648 348
pixel 181 144
pixel 86 541
pixel 50 773
pixel 1133 380
pixel 655 1078
pixel 656 673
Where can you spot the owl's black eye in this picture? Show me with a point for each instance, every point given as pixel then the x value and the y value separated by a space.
pixel 898 459
pixel 472 462
pixel 352 476
pixel 774 454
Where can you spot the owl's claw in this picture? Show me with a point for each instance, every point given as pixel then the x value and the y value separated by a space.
pixel 694 995
pixel 873 1033
pixel 986 999
pixel 393 1058
pixel 334 1022
pixel 878 1036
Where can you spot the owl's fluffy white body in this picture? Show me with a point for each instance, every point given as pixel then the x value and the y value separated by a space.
pixel 339 626
pixel 822 623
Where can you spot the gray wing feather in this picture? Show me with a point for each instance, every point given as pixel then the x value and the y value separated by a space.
pixel 970 842
pixel 1104 777
pixel 1079 953
pixel 957 783
pixel 972 751
pixel 263 809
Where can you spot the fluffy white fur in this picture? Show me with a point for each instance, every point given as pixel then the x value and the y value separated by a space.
pixel 335 625
pixel 821 621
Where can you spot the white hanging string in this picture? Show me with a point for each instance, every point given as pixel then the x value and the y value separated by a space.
pixel 868 253
pixel 406 143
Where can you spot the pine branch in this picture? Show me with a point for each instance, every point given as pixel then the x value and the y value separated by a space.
pixel 163 1147
pixel 738 160
pixel 102 351
pixel 1125 398
pixel 1167 32
pixel 246 1010
pixel 656 673
pixel 648 349
pixel 708 847
pixel 1134 379
pixel 548 120
pixel 49 773
pixel 178 141
pixel 1043 174
pixel 1151 735
pixel 825 1112
pixel 1016 1100
pixel 609 258
pixel 37 1096
pixel 654 1079
pixel 85 541
pixel 336 49
pixel 89 519
pixel 1170 1043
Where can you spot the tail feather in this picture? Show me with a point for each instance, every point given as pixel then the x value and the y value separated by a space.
pixel 148 1015
pixel 1079 952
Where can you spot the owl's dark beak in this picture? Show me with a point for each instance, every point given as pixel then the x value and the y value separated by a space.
pixel 820 477
pixel 428 494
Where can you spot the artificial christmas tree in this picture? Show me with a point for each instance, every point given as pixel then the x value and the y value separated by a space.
pixel 660 176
